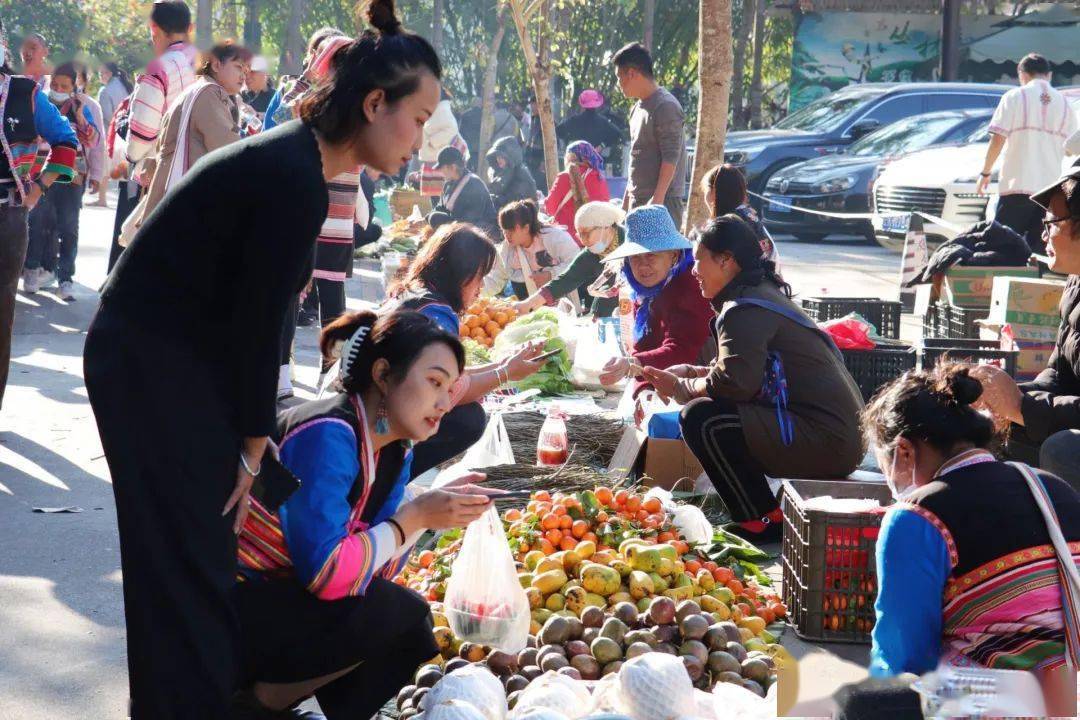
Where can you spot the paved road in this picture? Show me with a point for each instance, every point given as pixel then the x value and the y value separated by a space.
pixel 61 617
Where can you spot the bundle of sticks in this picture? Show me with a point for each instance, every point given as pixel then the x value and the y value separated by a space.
pixel 593 437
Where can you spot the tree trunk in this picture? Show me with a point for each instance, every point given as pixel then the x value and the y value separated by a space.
pixel 292 50
pixel 714 77
pixel 487 112
pixel 539 66
pixel 755 78
pixel 437 25
pixel 204 24
pixel 252 26
pixel 649 22
pixel 738 77
pixel 228 29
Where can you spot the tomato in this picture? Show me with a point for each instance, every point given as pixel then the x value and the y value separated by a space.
pixel 542 495
pixel 682 546
pixel 565 522
pixel 709 565
pixel 559 510
pixel 640 515
pixel 604 496
pixel 579 528
pixel 426 558
pixel 512 514
pixel 665 536
pixel 722 575
pixel 765 614
pixel 553 536
pixel 545 546
pixel 652 504
pixel 733 584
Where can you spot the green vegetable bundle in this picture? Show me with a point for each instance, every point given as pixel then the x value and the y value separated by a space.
pixel 554 377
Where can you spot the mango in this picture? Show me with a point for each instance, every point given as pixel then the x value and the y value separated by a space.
pixel 661 584
pixel 680 566
pixel 621 566
pixel 571 559
pixel 643 604
pixel 439 619
pixel 600 579
pixel 667 567
pixel 668 551
pixel 644 558
pixel 625 544
pixel 534 627
pixel 555 602
pixel 723 594
pixel 550 581
pixel 682 581
pixel 586 549
pixel 525 579
pixel 711 605
pixel 641 585
pixel 705 580
pixel 547 565
pixel 595 600
pixel 755 644
pixel 575 599
pixel 619 597
pixel 679 594
pixel 753 623
pixel 540 615
pixel 745 636
pixel 532 558
pixel 536 598
pixel 604 557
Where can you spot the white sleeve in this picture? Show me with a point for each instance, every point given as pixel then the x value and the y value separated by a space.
pixel 1072 144
pixel 562 248
pixel 496 280
pixel 1002 121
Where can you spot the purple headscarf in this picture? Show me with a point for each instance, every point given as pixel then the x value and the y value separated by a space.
pixel 588 154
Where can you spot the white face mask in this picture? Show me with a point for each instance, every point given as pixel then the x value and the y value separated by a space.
pixel 898 494
pixel 599 247
pixel 59 97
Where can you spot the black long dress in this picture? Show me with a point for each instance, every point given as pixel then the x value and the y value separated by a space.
pixel 181 363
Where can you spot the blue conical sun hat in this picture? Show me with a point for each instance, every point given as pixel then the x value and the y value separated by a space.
pixel 649 229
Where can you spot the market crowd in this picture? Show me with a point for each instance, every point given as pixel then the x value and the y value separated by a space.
pixel 259 544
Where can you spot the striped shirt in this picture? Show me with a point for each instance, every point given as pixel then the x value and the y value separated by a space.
pixel 164 80
pixel 335 244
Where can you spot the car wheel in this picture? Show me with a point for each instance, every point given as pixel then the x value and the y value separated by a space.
pixel 890 242
pixel 810 237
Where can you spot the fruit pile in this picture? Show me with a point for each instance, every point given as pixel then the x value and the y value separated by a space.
pixel 485 319
pixel 608 578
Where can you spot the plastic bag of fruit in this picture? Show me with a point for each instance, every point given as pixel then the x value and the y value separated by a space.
pixel 485 603
pixel 656 686
pixel 690 520
pixel 475 685
pixel 552 691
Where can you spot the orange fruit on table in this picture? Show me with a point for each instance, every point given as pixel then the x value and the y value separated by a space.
pixel 692 566
pixel 579 528
pixel 640 515
pixel 565 522
pixel 553 536
pixel 633 503
pixel 765 614
pixel 513 514
pixel 682 546
pixel 652 504
pixel 542 496
pixel 426 558
pixel 778 609
pixel 545 545
pixel 501 317
pixel 709 565
pixel 604 496
pixel 492 328
pixel 591 537
pixel 734 586
pixel 549 521
pixel 567 543
pixel 665 536
pixel 621 497
pixel 602 517
pixel 723 575
pixel 559 510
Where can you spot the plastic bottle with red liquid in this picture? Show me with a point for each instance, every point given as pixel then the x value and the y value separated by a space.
pixel 553 444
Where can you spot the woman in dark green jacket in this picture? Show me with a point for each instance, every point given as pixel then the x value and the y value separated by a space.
pixel 598 228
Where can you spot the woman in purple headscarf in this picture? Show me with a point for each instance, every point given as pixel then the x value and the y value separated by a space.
pixel 583 181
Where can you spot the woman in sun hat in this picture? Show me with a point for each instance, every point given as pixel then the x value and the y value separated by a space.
pixel 598 228
pixel 670 317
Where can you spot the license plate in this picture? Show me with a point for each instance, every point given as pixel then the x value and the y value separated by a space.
pixel 896 223
pixel 776 207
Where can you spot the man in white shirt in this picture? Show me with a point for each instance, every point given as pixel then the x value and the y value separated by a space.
pixel 1031 123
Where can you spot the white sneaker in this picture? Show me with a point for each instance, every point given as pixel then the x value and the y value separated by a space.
pixel 284 387
pixel 67 291
pixel 30 281
pixel 46 278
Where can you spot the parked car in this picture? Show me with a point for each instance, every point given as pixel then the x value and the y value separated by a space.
pixel 837 120
pixel 841 183
pixel 940 182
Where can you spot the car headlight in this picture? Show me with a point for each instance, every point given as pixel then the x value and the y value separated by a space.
pixel 742 156
pixel 835 185
pixel 774 183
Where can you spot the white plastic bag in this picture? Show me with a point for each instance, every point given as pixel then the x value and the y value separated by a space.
pixel 656 686
pixel 553 691
pixel 591 355
pixel 454 710
pixel 689 519
pixel 485 602
pixel 493 448
pixel 475 685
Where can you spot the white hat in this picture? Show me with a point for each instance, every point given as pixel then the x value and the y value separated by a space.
pixel 259 64
pixel 598 214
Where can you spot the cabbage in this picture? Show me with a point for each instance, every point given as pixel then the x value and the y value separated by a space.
pixel 554 377
pixel 475 353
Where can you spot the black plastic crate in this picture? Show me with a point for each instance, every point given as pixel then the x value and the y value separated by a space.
pixel 829 571
pixel 931 322
pixel 882 314
pixel 873 368
pixel 980 352
pixel 961 324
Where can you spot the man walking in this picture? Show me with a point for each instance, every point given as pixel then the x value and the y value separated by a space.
pixel 657 142
pixel 1031 123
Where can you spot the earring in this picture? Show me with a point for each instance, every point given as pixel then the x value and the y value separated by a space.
pixel 382 423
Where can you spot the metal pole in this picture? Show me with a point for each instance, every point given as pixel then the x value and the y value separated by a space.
pixel 950 40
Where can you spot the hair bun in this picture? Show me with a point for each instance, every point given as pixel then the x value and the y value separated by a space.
pixel 960 386
pixel 382 15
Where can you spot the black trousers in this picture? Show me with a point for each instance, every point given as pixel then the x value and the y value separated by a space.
pixel 459 430
pixel 714 433
pixel 1025 217
pixel 288 331
pixel 127 197
pixel 172 454
pixel 54 231
pixel 288 635
pixel 12 256
pixel 878 699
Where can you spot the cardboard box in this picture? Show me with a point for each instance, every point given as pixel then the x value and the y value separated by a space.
pixel 1033 354
pixel 658 462
pixel 1026 301
pixel 966 286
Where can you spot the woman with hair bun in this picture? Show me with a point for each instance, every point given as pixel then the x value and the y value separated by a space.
pixel 966 570
pixel 181 360
pixel 318 599
pixel 777 400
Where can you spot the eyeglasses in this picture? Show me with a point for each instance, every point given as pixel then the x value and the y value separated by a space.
pixel 1047 224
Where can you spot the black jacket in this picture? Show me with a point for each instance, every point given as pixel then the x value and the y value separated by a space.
pixel 1051 401
pixel 473 204
pixel 592 127
pixel 513 182
pixel 985 244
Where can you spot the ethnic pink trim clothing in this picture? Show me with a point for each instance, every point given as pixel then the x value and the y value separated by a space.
pixel 334 249
pixel 164 80
pixel 1035 121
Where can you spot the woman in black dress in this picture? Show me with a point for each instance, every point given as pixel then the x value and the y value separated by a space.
pixel 181 360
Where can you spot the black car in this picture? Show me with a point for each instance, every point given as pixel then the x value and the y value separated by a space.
pixel 841 183
pixel 837 120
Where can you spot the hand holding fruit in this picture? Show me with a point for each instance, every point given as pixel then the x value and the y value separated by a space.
pixel 614 370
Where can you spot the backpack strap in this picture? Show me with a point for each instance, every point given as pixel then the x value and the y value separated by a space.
pixel 787 312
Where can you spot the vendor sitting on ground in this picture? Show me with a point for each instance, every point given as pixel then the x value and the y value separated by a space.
pixel 443 281
pixel 966 572
pixel 508 178
pixel 597 225
pixel 532 252
pixel 318 612
pixel 1046 411
pixel 670 317
pixel 735 422
pixel 465 198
